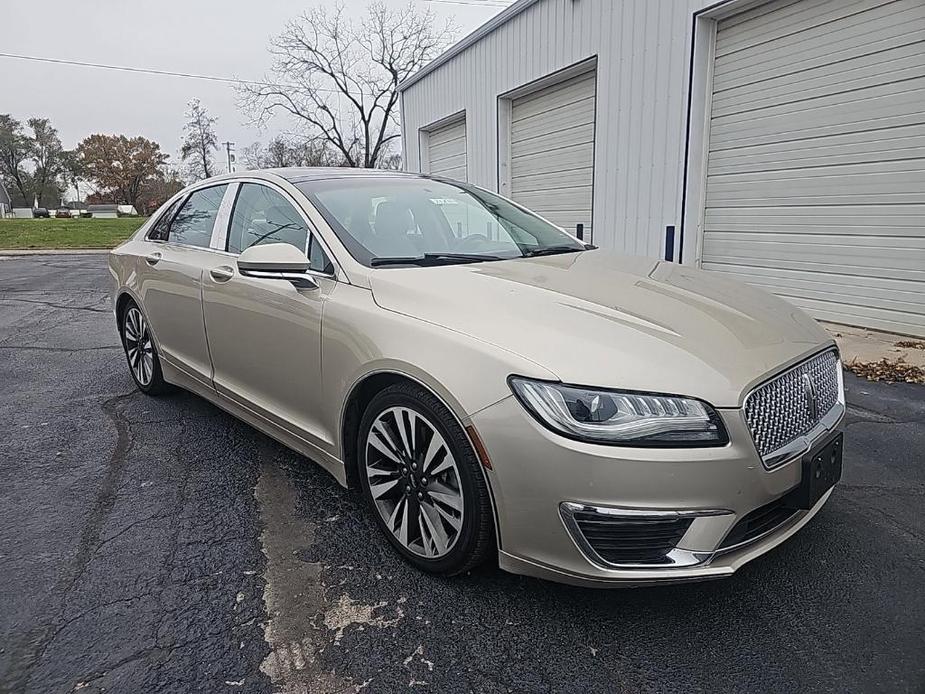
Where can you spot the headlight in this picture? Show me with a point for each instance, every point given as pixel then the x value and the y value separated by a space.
pixel 620 418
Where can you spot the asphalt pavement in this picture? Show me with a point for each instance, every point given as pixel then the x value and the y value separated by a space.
pixel 159 545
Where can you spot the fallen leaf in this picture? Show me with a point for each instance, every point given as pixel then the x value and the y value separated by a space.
pixel 897 371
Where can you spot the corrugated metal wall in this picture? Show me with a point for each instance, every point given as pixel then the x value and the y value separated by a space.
pixel 643 52
pixel 816 179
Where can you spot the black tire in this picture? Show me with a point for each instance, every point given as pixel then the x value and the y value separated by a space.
pixel 155 385
pixel 475 538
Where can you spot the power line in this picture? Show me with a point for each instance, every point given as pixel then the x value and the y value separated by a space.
pixel 151 71
pixel 126 68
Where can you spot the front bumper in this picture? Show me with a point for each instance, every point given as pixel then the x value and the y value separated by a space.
pixel 538 478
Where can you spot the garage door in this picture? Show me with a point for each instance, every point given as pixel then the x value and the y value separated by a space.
pixel 447 150
pixel 552 152
pixel 816 169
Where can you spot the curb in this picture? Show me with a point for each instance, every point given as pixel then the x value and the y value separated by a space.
pixel 54 251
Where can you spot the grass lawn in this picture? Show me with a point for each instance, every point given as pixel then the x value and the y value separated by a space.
pixel 66 233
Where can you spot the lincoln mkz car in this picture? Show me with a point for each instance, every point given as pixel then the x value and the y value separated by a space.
pixel 490 384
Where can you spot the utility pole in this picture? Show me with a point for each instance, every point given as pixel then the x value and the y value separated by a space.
pixel 229 155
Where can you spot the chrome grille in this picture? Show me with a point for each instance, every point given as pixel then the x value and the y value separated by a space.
pixel 786 407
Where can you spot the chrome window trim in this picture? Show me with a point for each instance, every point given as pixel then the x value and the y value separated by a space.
pixel 789 452
pixel 188 246
pixel 676 558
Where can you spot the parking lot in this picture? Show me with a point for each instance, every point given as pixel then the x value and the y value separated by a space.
pixel 161 545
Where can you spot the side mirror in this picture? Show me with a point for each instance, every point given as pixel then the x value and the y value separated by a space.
pixel 276 261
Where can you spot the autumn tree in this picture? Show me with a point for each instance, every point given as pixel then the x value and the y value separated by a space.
pixel 120 166
pixel 15 150
pixel 339 78
pixel 199 141
pixel 156 191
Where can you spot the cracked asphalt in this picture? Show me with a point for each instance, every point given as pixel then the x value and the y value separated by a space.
pixel 159 545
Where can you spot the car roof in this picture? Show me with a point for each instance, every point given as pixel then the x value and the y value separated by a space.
pixel 319 173
pixel 302 175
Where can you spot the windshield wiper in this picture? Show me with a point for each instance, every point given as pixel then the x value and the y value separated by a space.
pixel 552 250
pixel 433 259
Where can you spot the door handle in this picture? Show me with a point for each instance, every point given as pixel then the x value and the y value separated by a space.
pixel 153 258
pixel 222 273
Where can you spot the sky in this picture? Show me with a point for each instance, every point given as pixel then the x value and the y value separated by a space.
pixel 223 38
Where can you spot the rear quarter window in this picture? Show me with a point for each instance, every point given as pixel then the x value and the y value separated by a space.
pixel 193 223
pixel 161 227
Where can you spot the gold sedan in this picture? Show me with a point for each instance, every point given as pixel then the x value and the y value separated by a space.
pixel 492 385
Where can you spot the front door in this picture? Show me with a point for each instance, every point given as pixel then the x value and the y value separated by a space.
pixel 170 280
pixel 265 334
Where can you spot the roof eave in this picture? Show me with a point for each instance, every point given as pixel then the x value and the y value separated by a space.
pixel 469 40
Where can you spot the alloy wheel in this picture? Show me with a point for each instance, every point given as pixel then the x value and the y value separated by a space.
pixel 414 482
pixel 138 346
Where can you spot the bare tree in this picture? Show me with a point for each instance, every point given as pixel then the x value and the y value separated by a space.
pixel 284 151
pixel 15 149
pixel 199 141
pixel 253 156
pixel 48 159
pixel 339 78
pixel 72 171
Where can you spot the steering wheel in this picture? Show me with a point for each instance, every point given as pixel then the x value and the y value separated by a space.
pixel 472 242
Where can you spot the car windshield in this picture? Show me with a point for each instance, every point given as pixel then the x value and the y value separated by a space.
pixel 419 221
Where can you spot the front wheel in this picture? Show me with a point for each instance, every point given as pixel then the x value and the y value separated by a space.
pixel 423 482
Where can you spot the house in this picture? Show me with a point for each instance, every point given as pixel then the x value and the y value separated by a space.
pixel 781 142
pixel 103 211
pixel 77 207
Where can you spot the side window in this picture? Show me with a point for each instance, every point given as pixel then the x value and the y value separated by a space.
pixel 193 224
pixel 261 215
pixel 161 227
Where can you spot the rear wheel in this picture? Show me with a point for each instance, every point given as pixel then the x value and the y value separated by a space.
pixel 423 482
pixel 143 362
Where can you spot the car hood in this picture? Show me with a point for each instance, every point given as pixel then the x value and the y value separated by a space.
pixel 602 319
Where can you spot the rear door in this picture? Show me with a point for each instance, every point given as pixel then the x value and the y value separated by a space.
pixel 265 334
pixel 170 279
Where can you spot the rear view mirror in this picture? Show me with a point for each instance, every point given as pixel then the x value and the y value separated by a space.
pixel 280 261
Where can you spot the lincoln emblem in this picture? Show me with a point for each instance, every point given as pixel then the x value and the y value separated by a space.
pixel 809 392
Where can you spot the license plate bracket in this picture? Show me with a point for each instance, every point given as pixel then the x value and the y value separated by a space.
pixel 821 471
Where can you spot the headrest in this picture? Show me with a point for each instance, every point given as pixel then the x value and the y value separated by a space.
pixel 392 219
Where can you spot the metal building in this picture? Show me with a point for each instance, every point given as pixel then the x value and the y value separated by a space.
pixel 779 141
